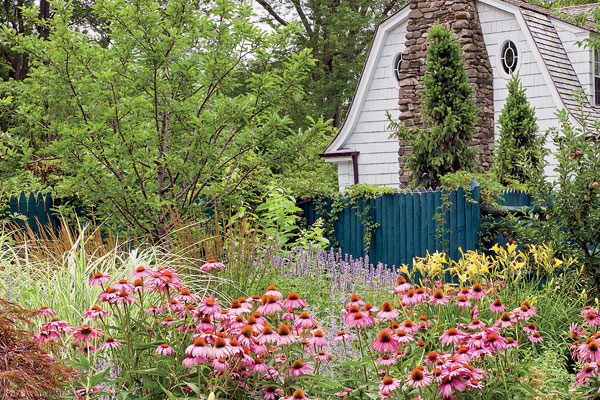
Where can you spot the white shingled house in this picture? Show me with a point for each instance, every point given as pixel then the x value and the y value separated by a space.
pixel 497 37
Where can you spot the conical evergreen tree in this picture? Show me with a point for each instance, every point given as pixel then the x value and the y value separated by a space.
pixel 519 153
pixel 448 110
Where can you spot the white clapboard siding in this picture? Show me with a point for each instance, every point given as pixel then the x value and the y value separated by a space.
pixel 378 159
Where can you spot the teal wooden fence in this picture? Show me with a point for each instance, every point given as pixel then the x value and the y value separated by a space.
pixel 35 210
pixel 405 224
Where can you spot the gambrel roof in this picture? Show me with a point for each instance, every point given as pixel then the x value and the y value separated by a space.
pixel 542 36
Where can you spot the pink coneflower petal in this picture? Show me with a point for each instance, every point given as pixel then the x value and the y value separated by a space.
pixel 497 306
pixel 418 378
pixel 388 385
pixel 299 368
pixel 164 350
pixel 95 312
pixel 385 343
pixel 212 264
pixel 86 332
pixel 45 311
pixel 294 301
pixel 111 343
pixel 98 279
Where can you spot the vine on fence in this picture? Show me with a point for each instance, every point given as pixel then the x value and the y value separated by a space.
pixel 350 199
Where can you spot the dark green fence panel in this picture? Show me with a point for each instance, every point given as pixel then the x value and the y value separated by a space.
pixel 34 209
pixel 405 223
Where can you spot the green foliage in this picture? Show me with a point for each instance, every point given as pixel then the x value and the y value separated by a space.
pixel 357 197
pixel 339 34
pixel 167 115
pixel 448 110
pixel 568 208
pixel 520 150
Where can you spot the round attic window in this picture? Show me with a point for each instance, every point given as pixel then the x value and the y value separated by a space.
pixel 397 63
pixel 509 57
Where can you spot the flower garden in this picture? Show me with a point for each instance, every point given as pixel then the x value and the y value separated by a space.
pixel 308 324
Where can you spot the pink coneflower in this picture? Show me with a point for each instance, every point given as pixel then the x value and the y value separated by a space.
pixel 409 327
pixel 294 301
pixel 164 350
pixel 420 295
pixel 272 291
pixel 285 336
pixel 505 321
pixel 299 395
pixel 245 304
pixel 246 336
pixel 410 298
pixel 355 300
pixel 304 321
pixel 385 342
pixel 95 312
pixel 525 311
pixel 530 328
pixel 153 310
pixel 199 349
pixel 403 337
pixel 45 311
pixel 141 272
pixel 122 285
pixel 258 366
pixel 591 319
pixel 98 279
pixel 191 361
pixel 448 384
pixel 474 312
pixel 236 308
pixel 511 343
pixel 299 368
pixel 318 339
pixel 209 307
pixel 122 297
pixel 289 315
pixel 350 314
pixel 401 285
pixel 476 325
pixel 451 336
pixel 270 306
pixel 271 391
pixel 589 351
pixel 576 331
pixel 186 296
pixel 86 332
pixel 588 370
pixel 388 385
pixel 494 341
pixel 220 364
pixel 57 326
pixel 108 294
pixel 140 287
pixel 386 360
pixel 267 335
pixel 462 302
pixel 360 320
pixel 497 306
pixel 439 298
pixel 341 336
pixel 387 312
pixel 535 337
pixel 211 264
pixel 418 378
pixel 111 343
pixel 322 356
pixel 222 348
pixel 476 292
pixel 256 326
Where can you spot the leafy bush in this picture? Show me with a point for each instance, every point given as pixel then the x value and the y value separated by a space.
pixel 160 120
pixel 448 109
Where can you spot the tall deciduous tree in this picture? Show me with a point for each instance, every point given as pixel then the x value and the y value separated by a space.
pixel 520 152
pixel 167 115
pixel 339 33
pixel 448 110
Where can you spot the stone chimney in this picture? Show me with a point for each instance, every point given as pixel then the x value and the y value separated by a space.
pixel 461 16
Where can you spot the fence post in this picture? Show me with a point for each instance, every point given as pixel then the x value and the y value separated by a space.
pixel 476 212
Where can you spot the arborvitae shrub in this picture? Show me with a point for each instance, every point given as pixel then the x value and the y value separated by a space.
pixel 519 153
